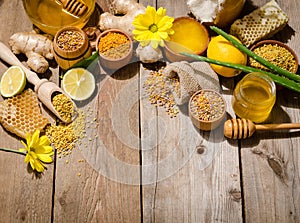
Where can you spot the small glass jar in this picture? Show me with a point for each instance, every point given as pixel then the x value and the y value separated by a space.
pixel 254 97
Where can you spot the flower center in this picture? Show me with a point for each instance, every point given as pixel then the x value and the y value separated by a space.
pixel 153 28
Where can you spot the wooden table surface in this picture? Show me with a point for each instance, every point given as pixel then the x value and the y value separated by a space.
pixel 140 165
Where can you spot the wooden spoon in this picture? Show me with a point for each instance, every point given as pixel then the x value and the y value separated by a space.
pixel 75 7
pixel 44 88
pixel 244 128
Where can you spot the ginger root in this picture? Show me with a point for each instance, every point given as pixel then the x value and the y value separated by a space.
pixel 130 9
pixel 36 47
pixel 147 54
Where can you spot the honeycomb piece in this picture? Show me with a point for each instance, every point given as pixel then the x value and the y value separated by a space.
pixel 260 24
pixel 21 114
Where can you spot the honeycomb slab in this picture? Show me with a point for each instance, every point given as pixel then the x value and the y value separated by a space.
pixel 260 24
pixel 21 114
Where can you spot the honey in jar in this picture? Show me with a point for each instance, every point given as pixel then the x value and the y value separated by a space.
pixel 50 15
pixel 254 97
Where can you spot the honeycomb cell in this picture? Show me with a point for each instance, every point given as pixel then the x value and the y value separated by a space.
pixel 21 114
pixel 266 21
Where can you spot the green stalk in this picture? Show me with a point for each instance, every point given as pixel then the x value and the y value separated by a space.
pixel 290 84
pixel 12 150
pixel 241 47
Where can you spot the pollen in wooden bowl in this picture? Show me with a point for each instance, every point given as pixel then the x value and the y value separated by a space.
pixel 115 48
pixel 275 52
pixel 207 109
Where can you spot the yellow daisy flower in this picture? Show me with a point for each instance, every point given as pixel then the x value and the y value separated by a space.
pixel 38 151
pixel 153 26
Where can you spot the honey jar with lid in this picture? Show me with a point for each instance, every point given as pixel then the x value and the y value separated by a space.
pixel 70 45
pixel 254 97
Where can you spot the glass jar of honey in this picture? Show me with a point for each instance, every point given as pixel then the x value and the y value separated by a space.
pixel 254 97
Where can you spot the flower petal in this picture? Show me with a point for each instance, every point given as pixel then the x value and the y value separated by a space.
pixel 32 164
pixel 27 158
pixel 35 139
pixel 44 158
pixel 44 141
pixel 39 166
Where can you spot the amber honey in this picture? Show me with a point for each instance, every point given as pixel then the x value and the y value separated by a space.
pixel 50 16
pixel 254 97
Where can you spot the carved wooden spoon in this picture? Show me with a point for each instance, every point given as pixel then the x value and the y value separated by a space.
pixel 44 88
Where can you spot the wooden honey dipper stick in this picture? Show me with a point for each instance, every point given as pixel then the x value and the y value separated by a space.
pixel 75 7
pixel 244 128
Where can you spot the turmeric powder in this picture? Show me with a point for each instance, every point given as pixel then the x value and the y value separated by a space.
pixel 111 40
pixel 114 45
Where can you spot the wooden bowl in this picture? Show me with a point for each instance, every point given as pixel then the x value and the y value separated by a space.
pixel 190 36
pixel 66 58
pixel 281 44
pixel 207 109
pixel 110 62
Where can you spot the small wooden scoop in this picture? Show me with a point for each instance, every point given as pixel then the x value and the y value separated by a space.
pixel 244 128
pixel 75 7
pixel 44 88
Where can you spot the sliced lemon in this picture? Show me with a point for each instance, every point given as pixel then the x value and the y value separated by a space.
pixel 13 81
pixel 78 83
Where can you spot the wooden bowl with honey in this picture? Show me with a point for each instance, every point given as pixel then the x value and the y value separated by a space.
pixel 207 109
pixel 190 36
pixel 115 49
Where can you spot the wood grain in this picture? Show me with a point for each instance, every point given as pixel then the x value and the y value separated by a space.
pixel 136 164
pixel 186 175
pixel 270 161
pixel 24 196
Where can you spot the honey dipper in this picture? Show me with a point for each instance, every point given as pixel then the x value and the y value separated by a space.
pixel 44 88
pixel 244 128
pixel 75 7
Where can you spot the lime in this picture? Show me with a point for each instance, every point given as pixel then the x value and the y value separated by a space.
pixel 78 83
pixel 13 81
pixel 221 49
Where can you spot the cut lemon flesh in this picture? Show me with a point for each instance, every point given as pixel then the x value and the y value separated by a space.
pixel 13 81
pixel 78 83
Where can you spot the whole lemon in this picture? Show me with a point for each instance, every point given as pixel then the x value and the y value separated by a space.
pixel 221 49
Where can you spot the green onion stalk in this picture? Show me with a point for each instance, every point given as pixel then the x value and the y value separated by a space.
pixel 290 84
pixel 259 59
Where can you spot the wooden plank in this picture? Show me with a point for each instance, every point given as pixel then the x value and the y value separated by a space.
pixel 99 181
pixel 270 160
pixel 99 187
pixel 24 197
pixel 181 184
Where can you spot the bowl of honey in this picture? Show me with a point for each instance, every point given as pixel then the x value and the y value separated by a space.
pixel 50 16
pixel 190 36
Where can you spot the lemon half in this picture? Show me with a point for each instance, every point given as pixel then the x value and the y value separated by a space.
pixel 79 84
pixel 13 81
